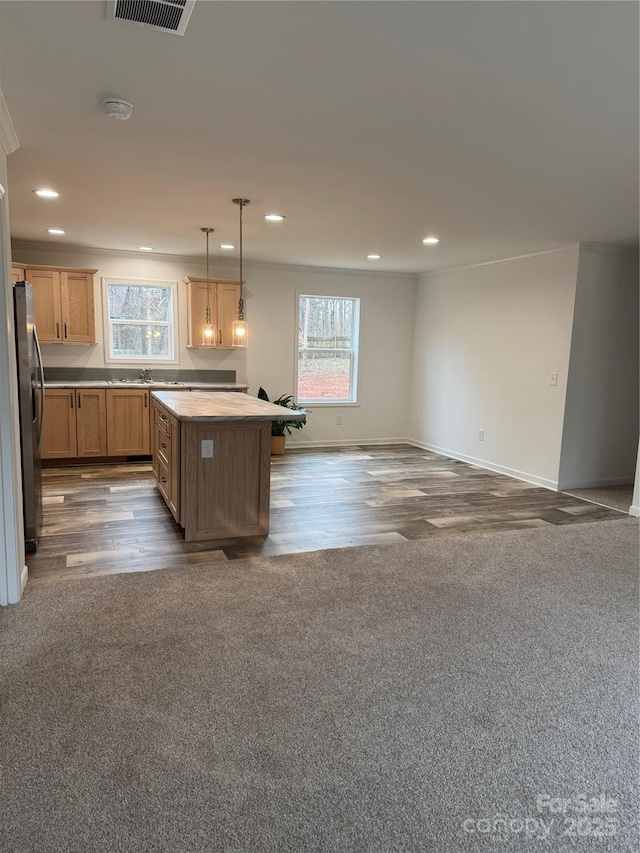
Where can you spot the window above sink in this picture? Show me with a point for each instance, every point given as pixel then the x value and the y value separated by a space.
pixel 140 321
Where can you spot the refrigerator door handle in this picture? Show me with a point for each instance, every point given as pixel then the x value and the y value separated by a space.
pixel 41 385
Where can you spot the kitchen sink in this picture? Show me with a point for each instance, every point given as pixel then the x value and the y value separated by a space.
pixel 143 382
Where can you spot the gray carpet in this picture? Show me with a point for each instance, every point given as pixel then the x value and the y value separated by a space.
pixel 392 698
pixel 615 497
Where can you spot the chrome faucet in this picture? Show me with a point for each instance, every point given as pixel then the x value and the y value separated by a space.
pixel 146 374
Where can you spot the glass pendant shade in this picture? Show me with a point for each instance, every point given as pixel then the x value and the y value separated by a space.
pixel 240 333
pixel 208 335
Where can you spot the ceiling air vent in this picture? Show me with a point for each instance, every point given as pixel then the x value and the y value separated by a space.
pixel 169 16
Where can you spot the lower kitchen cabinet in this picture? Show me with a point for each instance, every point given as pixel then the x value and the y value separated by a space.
pixel 59 431
pixel 166 457
pixel 89 422
pixel 74 424
pixel 128 422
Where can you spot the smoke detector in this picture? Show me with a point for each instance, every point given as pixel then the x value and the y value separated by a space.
pixel 117 108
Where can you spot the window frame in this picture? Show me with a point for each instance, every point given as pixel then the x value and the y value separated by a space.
pixel 172 324
pixel 354 373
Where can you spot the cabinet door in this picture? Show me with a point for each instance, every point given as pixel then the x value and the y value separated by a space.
pixel 127 422
pixel 197 297
pixel 78 317
pixel 47 303
pixel 227 303
pixel 59 424
pixel 91 422
pixel 18 274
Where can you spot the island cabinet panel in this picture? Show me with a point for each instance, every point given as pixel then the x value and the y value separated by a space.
pixel 227 494
pixel 166 458
pixel 91 422
pixel 59 425
pixel 128 422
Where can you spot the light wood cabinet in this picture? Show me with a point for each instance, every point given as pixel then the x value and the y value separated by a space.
pixel 91 422
pixel 128 422
pixel 75 424
pixel 63 302
pixel 59 434
pixel 166 458
pixel 223 296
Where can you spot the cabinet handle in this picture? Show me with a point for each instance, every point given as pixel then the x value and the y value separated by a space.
pixel 57 330
pixel 162 444
pixel 146 400
pixel 162 417
pixel 163 479
pixel 220 337
pixel 65 331
pixel 71 400
pixel 79 400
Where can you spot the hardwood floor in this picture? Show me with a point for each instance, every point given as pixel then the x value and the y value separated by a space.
pixel 107 519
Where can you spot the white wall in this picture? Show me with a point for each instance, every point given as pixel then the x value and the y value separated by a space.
pixel 13 572
pixel 600 435
pixel 387 303
pixel 486 340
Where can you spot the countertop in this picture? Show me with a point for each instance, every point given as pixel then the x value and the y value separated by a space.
pixel 223 407
pixel 153 386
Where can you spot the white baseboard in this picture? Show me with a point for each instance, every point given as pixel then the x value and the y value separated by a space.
pixel 490 466
pixel 634 511
pixel 24 574
pixel 595 484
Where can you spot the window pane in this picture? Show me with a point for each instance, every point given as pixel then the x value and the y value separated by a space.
pixel 135 302
pixel 140 341
pixel 325 322
pixel 323 377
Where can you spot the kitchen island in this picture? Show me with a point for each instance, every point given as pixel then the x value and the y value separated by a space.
pixel 212 461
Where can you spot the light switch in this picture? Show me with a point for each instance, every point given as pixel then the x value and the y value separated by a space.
pixel 206 448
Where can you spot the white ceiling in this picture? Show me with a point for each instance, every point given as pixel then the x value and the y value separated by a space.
pixel 502 127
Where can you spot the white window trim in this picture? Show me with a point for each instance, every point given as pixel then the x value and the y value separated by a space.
pixel 173 325
pixel 355 370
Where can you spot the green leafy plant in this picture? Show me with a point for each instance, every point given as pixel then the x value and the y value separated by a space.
pixel 286 400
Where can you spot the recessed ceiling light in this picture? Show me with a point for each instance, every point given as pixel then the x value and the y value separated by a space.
pixel 374 257
pixel 145 248
pixel 227 246
pixel 44 193
pixel 431 241
pixel 55 231
pixel 274 217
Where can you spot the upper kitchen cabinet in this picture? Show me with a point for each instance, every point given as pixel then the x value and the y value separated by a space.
pixel 223 296
pixel 63 299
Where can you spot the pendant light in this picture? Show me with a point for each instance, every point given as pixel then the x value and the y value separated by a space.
pixel 240 333
pixel 208 328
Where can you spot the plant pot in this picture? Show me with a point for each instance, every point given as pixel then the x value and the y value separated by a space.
pixel 277 444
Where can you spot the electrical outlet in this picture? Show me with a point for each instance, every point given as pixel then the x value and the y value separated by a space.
pixel 480 435
pixel 554 378
pixel 338 420
pixel 206 448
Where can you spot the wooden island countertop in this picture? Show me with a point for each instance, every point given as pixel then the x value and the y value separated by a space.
pixel 223 406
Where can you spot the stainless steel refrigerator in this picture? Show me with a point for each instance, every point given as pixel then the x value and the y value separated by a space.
pixel 31 405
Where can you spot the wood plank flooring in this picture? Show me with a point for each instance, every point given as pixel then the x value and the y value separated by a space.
pixel 110 518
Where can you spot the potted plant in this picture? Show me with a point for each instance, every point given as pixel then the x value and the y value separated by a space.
pixel 280 429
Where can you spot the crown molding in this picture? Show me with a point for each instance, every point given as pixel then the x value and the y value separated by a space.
pixel 8 136
pixel 226 263
pixel 609 249
pixel 499 261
